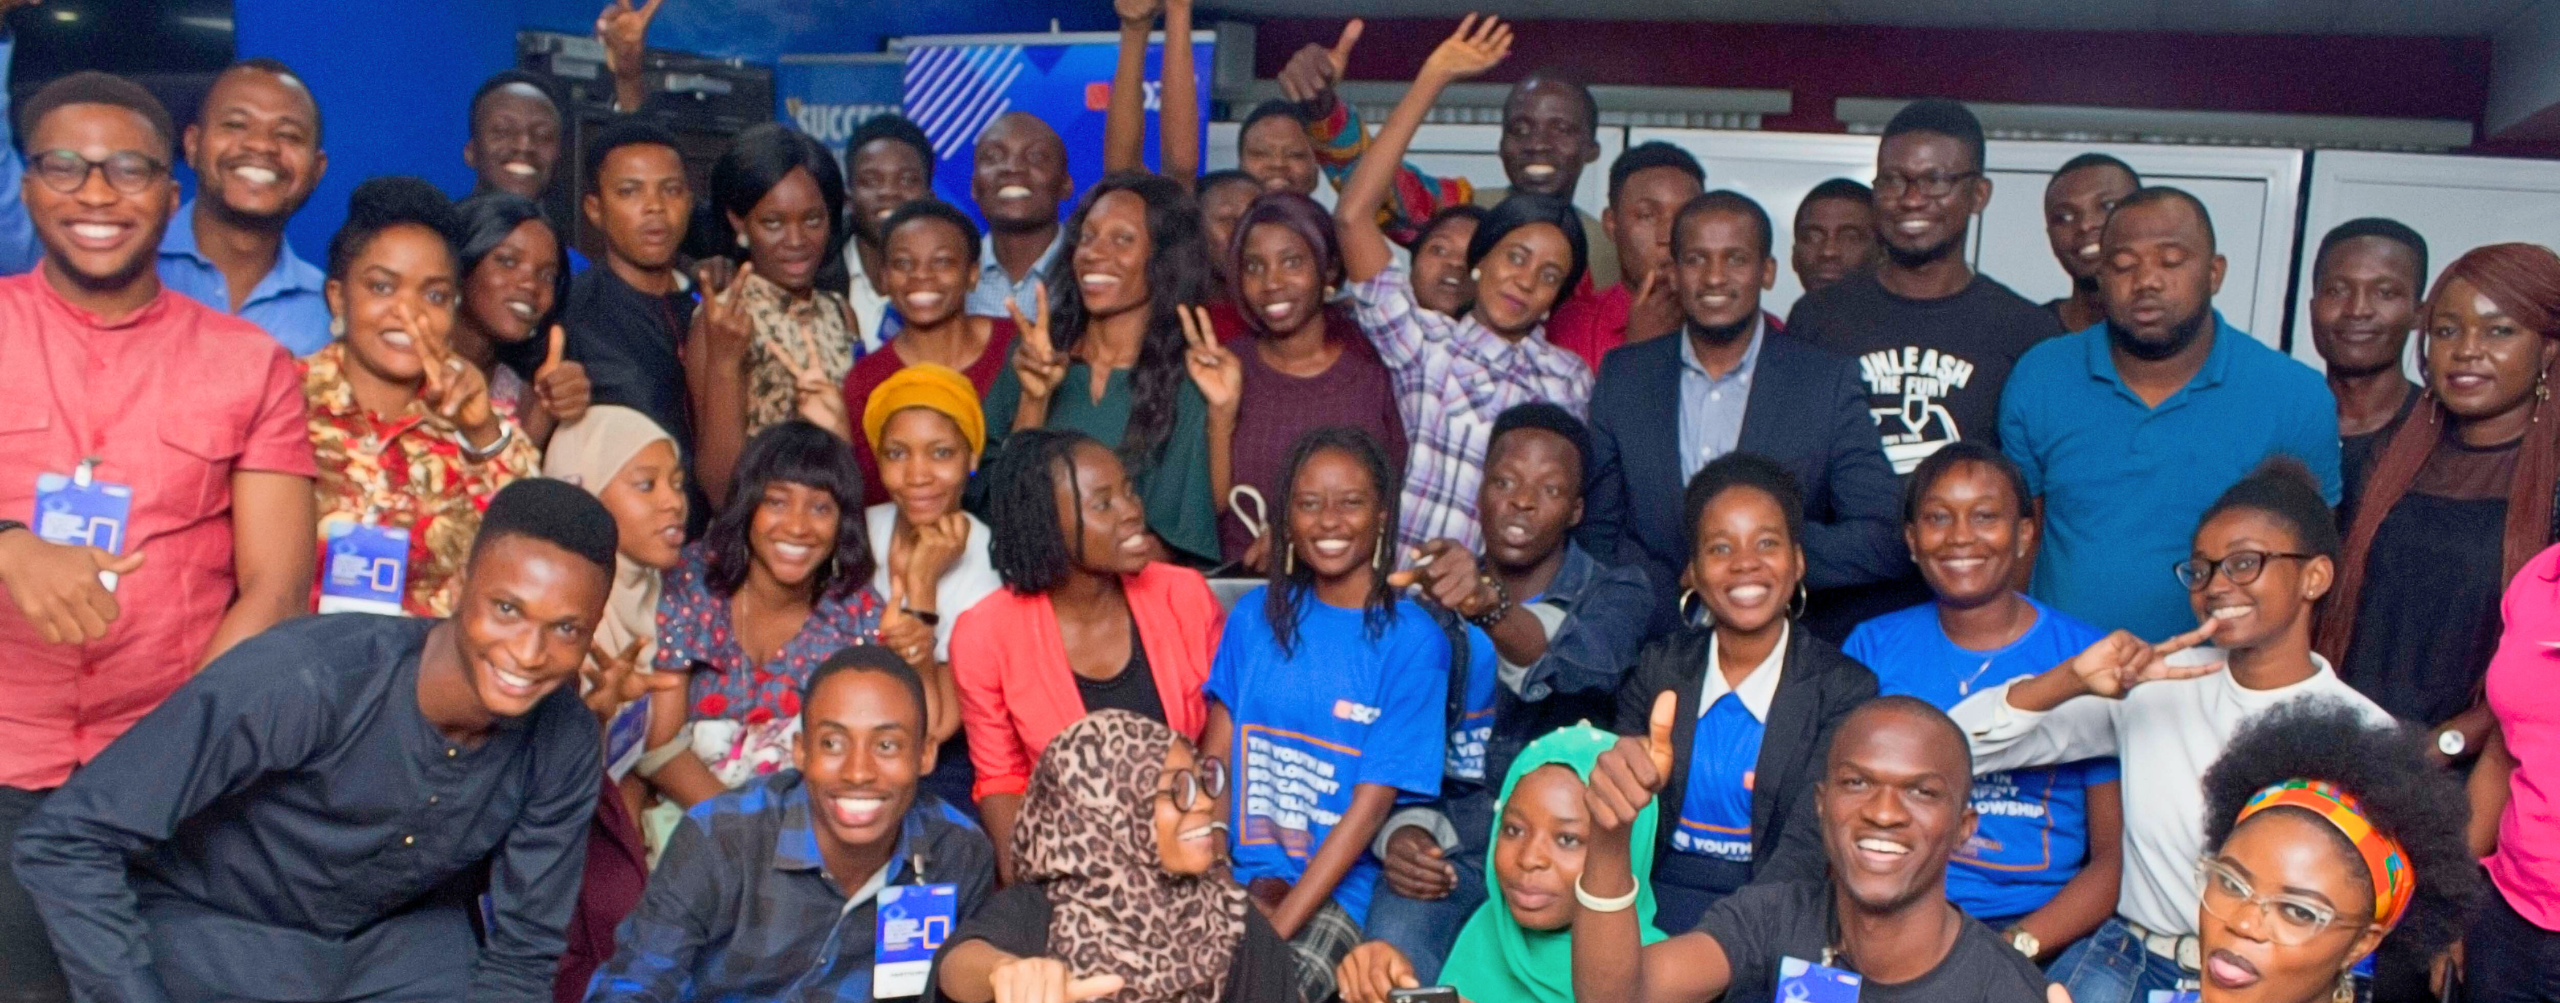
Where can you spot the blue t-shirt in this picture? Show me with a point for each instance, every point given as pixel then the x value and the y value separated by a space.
pixel 1474 729
pixel 2125 482
pixel 1345 709
pixel 2034 829
pixel 1715 805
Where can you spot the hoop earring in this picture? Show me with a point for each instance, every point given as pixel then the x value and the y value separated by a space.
pixel 1681 606
pixel 2346 990
pixel 1803 599
pixel 1378 558
pixel 1289 562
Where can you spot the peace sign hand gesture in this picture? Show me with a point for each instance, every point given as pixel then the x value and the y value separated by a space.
pixel 613 680
pixel 2120 661
pixel 1214 369
pixel 456 392
pixel 1480 43
pixel 625 34
pixel 820 400
pixel 723 319
pixel 1036 361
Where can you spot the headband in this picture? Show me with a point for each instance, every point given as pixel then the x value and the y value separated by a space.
pixel 2393 881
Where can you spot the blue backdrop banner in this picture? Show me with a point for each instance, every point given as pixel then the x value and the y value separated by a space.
pixel 828 96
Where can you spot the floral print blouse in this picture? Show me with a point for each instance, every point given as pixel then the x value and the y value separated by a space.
pixel 407 471
pixel 745 716
pixel 812 333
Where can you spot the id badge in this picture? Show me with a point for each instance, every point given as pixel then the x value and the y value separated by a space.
pixel 914 921
pixel 80 511
pixel 365 570
pixel 624 738
pixel 1801 981
pixel 2175 996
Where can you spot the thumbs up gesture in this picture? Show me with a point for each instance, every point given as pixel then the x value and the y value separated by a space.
pixel 1626 777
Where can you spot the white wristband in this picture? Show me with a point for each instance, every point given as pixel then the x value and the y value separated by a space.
pixel 1620 904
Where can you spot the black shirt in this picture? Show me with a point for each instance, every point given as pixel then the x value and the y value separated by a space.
pixel 1133 690
pixel 288 825
pixel 1016 921
pixel 1763 923
pixel 2356 454
pixel 1934 368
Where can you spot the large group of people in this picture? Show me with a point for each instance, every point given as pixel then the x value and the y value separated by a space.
pixel 1170 589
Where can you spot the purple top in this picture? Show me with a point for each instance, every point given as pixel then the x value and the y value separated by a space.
pixel 1278 408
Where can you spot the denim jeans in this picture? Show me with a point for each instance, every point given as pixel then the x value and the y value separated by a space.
pixel 2507 959
pixel 29 973
pixel 1425 929
pixel 2112 966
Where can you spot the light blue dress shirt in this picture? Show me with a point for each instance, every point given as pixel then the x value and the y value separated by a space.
pixel 987 300
pixel 1711 407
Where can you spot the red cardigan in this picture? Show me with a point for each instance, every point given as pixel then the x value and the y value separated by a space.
pixel 1016 691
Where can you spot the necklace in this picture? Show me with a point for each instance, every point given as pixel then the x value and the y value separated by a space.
pixel 1966 687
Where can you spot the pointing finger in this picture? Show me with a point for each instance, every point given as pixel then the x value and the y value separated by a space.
pixel 1341 54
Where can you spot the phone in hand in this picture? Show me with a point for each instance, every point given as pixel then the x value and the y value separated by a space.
pixel 1426 994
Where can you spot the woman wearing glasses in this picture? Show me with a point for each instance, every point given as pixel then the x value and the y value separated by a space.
pixel 2325 836
pixel 2263 555
pixel 1119 884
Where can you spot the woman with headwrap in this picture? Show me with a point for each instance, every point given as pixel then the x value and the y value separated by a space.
pixel 1120 888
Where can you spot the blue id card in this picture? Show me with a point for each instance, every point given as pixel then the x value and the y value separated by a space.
pixel 80 512
pixel 624 738
pixel 365 569
pixel 1801 981
pixel 2175 996
pixel 914 921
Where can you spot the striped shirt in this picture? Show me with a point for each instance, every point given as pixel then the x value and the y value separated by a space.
pixel 1453 376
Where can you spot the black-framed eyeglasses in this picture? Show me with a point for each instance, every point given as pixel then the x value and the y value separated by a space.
pixel 2241 566
pixel 1207 780
pixel 1936 186
pixel 66 171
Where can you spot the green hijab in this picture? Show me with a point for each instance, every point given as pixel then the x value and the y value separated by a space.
pixel 1495 960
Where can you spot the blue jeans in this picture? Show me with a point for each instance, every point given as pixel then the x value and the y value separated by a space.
pixel 1425 929
pixel 2112 966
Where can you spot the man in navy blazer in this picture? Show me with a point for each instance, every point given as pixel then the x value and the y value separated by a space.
pixel 1727 381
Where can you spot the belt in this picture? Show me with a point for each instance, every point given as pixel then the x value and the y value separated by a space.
pixel 2180 948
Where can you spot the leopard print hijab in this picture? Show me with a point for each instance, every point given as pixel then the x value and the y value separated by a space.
pixel 1087 834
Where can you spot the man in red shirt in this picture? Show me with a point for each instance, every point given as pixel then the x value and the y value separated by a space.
pixel 1647 186
pixel 155 470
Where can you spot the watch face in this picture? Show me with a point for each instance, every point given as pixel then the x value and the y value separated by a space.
pixel 2450 742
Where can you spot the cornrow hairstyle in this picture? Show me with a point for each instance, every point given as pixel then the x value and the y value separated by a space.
pixel 385 202
pixel 1649 155
pixel 1291 581
pixel 930 208
pixel 552 511
pixel 1742 470
pixel 2091 159
pixel 1947 458
pixel 2375 226
pixel 1023 539
pixel 93 87
pixel 793 452
pixel 1726 200
pixel 864 658
pixel 2284 489
pixel 1177 273
pixel 1944 118
pixel 2399 793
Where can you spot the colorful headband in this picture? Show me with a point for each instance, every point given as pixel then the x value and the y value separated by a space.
pixel 2393 881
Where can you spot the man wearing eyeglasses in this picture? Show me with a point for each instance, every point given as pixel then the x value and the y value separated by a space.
pixel 155 470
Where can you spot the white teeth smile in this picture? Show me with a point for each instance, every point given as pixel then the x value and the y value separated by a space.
pixel 923 301
pixel 2232 612
pixel 512 681
pixel 254 175
pixel 520 169
pixel 1332 548
pixel 672 534
pixel 1515 535
pixel 1196 834
pixel 856 811
pixel 1914 226
pixel 794 552
pixel 1873 845
pixel 1013 192
pixel 892 211
pixel 1962 563
pixel 520 308
pixel 1538 172
pixel 1748 594
pixel 1278 310
pixel 1136 543
pixel 1715 299
pixel 398 339
pixel 96 231
pixel 1097 280
pixel 2089 251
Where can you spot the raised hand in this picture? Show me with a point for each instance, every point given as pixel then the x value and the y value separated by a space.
pixel 561 385
pixel 1036 361
pixel 723 318
pixel 456 392
pixel 1214 369
pixel 1373 971
pixel 59 588
pixel 1416 868
pixel 1046 980
pixel 1481 42
pixel 2120 661
pixel 1137 11
pixel 1657 306
pixel 613 680
pixel 625 34
pixel 1626 777
pixel 935 551
pixel 1449 578
pixel 818 399
pixel 1313 72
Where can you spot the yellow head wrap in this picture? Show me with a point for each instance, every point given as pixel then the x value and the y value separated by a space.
pixel 925 385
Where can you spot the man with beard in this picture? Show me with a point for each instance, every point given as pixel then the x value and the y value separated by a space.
pixel 888 163
pixel 2076 203
pixel 1732 384
pixel 1835 233
pixel 1019 181
pixel 1934 340
pixel 314 816
pixel 2366 285
pixel 255 151
pixel 2128 430
pixel 1895 802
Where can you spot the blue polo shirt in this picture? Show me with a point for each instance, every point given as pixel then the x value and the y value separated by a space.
pixel 2124 482
pixel 289 303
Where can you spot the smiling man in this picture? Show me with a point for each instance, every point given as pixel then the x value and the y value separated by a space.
pixel 1018 184
pixel 1894 802
pixel 307 818
pixel 774 890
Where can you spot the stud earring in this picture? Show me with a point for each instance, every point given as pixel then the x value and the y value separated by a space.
pixel 742 240
pixel 1475 275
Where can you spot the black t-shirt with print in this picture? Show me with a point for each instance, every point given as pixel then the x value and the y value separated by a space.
pixel 1764 923
pixel 1934 368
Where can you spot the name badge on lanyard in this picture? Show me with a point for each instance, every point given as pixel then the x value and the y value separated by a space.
pixel 81 511
pixel 624 738
pixel 1801 981
pixel 2175 996
pixel 914 921
pixel 365 570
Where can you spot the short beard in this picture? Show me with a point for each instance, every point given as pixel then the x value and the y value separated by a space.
pixel 1927 255
pixel 114 282
pixel 1722 334
pixel 2084 285
pixel 2181 335
pixel 222 210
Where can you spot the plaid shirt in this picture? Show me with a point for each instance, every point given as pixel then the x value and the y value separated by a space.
pixel 1452 378
pixel 741 906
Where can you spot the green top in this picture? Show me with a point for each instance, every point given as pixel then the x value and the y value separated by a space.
pixel 1175 487
pixel 1495 960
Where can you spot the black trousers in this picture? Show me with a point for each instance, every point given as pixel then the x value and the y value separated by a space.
pixel 29 972
pixel 2507 959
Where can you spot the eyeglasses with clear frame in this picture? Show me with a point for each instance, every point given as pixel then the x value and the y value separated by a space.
pixel 2290 920
pixel 1208 780
pixel 66 171
pixel 2241 566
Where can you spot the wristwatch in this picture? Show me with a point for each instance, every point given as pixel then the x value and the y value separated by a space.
pixel 2451 742
pixel 9 524
pixel 2025 943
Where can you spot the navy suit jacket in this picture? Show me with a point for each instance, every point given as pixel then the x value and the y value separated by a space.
pixel 1807 410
